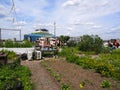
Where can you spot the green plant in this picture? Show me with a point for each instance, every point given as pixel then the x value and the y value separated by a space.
pixel 64 39
pixel 8 43
pixel 56 76
pixel 105 84
pixel 13 76
pixel 71 43
pixel 53 73
pixel 107 64
pixel 82 84
pixel 11 44
pixel 65 87
pixel 106 50
pixel 90 43
pixel 26 43
pixel 10 54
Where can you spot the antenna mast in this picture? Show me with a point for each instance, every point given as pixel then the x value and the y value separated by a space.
pixel 54 29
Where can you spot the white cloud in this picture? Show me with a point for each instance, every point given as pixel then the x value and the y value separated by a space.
pixel 8 19
pixel 115 28
pixel 20 23
pixel 3 12
pixel 71 3
pixel 72 17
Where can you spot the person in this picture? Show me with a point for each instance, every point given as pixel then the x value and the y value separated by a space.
pixel 115 43
pixel 110 44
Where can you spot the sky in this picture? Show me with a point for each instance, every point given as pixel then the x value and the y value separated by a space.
pixel 72 17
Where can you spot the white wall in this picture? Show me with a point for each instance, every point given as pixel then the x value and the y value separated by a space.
pixel 18 50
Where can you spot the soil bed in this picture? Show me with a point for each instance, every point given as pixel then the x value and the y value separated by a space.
pixel 40 77
pixel 74 75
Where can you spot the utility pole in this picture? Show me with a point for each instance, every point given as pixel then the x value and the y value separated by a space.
pixel 54 29
pixel 20 34
pixel 0 34
pixel 0 37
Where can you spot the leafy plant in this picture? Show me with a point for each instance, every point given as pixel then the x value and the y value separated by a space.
pixel 65 87
pixel 105 84
pixel 13 76
pixel 53 73
pixel 82 84
pixel 10 54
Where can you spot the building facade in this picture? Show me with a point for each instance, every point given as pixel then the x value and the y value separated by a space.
pixel 37 34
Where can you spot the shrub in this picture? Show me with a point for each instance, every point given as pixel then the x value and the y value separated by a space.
pixel 8 43
pixel 106 50
pixel 10 54
pixel 105 84
pixel 26 43
pixel 71 43
pixel 11 44
pixel 72 58
pixel 14 77
pixel 90 43
pixel 65 87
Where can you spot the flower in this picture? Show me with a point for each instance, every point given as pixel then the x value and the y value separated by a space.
pixel 81 86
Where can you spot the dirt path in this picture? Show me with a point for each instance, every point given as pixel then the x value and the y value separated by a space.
pixel 40 77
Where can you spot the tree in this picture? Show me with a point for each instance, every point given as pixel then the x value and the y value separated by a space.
pixel 64 39
pixel 91 43
pixel 71 43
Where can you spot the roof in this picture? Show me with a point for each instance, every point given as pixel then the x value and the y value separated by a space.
pixel 41 35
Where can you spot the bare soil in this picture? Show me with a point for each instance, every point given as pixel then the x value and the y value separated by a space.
pixel 74 75
pixel 70 74
pixel 40 77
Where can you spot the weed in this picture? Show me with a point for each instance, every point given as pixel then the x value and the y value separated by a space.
pixel 82 84
pixel 53 73
pixel 65 87
pixel 105 84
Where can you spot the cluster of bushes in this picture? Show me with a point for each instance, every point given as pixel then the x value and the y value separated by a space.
pixel 71 43
pixel 10 44
pixel 90 43
pixel 10 54
pixel 15 77
pixel 106 64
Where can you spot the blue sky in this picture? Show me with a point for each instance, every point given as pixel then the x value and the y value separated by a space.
pixel 72 17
